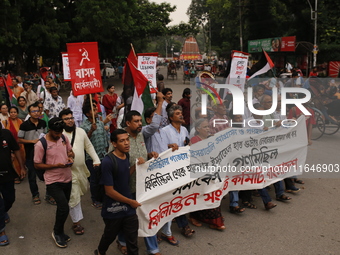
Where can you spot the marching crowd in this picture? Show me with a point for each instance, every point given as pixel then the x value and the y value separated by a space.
pixel 65 145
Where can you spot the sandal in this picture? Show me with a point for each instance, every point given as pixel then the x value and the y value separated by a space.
pixel 283 197
pixel 217 228
pixel 36 200
pixel 50 200
pixel 187 231
pixel 299 181
pixel 236 209
pixel 249 205
pixel 195 222
pixel 77 229
pixel 170 239
pixel 97 205
pixel 269 205
pixel 122 248
pixel 17 181
pixel 4 240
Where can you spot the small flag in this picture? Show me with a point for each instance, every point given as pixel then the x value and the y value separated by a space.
pixel 262 66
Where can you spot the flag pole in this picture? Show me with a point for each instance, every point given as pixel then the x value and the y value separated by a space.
pixel 133 49
pixel 93 119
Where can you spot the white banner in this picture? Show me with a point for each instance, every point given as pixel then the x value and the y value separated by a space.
pixel 238 69
pixel 66 66
pixel 183 181
pixel 148 66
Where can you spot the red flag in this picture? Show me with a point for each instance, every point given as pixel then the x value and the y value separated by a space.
pixel 139 80
pixel 44 72
pixel 262 66
pixel 127 75
pixel 8 84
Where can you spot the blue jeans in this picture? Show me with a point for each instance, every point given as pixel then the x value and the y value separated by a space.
pixel 233 198
pixel 61 193
pixel 92 179
pixel 7 199
pixel 278 191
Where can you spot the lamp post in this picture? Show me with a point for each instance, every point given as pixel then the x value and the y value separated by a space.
pixel 172 51
pixel 314 16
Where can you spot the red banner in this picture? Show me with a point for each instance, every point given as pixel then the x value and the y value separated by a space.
pixel 190 57
pixel 84 68
pixel 288 43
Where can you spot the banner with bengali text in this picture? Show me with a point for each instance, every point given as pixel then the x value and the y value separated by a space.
pixel 84 68
pixel 185 180
pixel 275 44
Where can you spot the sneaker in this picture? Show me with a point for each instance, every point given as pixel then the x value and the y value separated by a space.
pixel 36 200
pixel 292 189
pixel 59 240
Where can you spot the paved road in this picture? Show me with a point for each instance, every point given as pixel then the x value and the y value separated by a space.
pixel 308 224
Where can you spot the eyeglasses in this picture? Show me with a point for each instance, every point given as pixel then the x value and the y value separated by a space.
pixel 35 111
pixel 70 118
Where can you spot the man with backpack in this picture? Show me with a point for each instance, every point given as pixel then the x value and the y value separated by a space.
pixel 119 207
pixel 56 158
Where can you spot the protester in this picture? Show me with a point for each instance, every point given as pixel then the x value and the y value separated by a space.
pixel 17 90
pixel 185 103
pixel 167 92
pixel 22 108
pixel 53 105
pixel 75 103
pixel 56 161
pixel 109 102
pixel 220 120
pixel 133 122
pixel 8 174
pixel 213 217
pixel 29 94
pixel 175 136
pixel 4 112
pixel 13 124
pixel 29 135
pixel 153 141
pixel 96 132
pixel 119 208
pixel 80 143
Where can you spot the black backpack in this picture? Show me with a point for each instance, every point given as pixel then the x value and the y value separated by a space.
pixel 99 190
pixel 40 172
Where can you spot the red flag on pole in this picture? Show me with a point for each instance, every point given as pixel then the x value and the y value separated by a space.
pixel 8 84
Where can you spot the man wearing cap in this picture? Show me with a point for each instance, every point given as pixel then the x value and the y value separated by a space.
pixel 58 176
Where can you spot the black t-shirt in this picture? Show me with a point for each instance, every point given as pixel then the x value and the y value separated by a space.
pixel 8 144
pixel 113 209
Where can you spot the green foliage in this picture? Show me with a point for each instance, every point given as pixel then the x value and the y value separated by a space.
pixel 43 27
